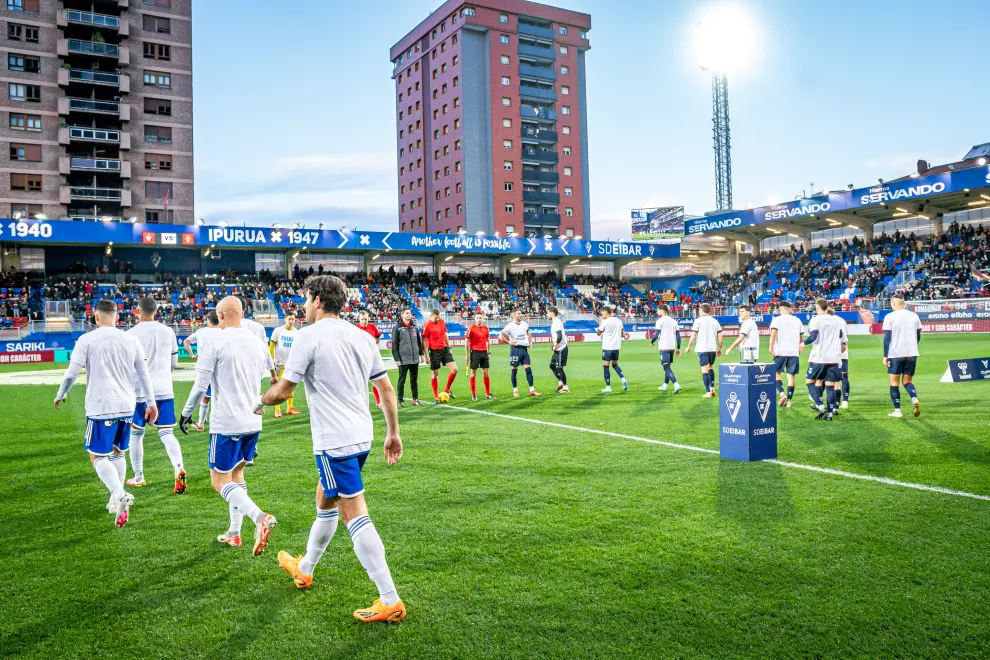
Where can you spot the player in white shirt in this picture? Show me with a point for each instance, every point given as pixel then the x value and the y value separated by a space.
pixel 610 330
pixel 233 365
pixel 827 339
pixel 707 331
pixel 842 389
pixel 250 324
pixel 161 350
pixel 280 346
pixel 749 336
pixel 901 335
pixel 558 356
pixel 668 340
pixel 516 333
pixel 786 331
pixel 200 339
pixel 113 361
pixel 336 361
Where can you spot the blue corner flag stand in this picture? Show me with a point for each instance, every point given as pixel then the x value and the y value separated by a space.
pixel 747 412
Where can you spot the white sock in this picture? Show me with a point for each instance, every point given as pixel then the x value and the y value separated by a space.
pixel 370 552
pixel 107 472
pixel 204 408
pixel 172 448
pixel 236 517
pixel 119 462
pixel 137 452
pixel 319 538
pixel 239 499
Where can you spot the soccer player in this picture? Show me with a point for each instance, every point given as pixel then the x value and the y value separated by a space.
pixel 364 323
pixel 558 358
pixel 201 339
pixel 668 340
pixel 113 360
pixel 250 324
pixel 842 389
pixel 707 331
pixel 749 336
pixel 336 361
pixel 901 335
pixel 407 351
pixel 435 336
pixel 279 347
pixel 786 331
pixel 478 355
pixel 233 364
pixel 827 340
pixel 610 330
pixel 161 351
pixel 516 332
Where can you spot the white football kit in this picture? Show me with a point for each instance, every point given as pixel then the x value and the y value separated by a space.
pixel 611 334
pixel 789 330
pixel 161 351
pixel 557 329
pixel 669 330
pixel 113 361
pixel 903 326
pixel 283 339
pixel 827 348
pixel 201 338
pixel 707 328
pixel 516 332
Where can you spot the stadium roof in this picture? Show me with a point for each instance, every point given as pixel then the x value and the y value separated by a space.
pixel 931 192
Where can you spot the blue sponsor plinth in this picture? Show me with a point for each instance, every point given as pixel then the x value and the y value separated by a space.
pixel 747 412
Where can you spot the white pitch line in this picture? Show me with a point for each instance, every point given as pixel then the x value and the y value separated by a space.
pixel 798 466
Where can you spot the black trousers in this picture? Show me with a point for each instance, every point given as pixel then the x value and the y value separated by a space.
pixel 413 371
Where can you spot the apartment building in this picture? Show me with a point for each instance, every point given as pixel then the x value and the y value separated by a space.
pixel 97 106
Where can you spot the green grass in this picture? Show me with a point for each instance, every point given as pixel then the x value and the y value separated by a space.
pixel 507 538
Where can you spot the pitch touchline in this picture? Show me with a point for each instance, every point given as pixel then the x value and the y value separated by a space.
pixel 799 466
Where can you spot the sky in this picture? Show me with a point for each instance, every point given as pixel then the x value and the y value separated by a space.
pixel 295 110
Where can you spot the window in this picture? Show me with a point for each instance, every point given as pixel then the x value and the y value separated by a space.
pixel 436 114
pixel 564 70
pixel 567 171
pixel 567 130
pixel 506 101
pixel 161 162
pixel 508 186
pixel 446 213
pixel 457 101
pixel 504 59
pixel 436 134
pixel 25 152
pixel 29 6
pixel 158 107
pixel 18 92
pixel 23 63
pixel 26 182
pixel 467 11
pixel 443 88
pixel 507 144
pixel 436 94
pixel 457 145
pixel 457 81
pixel 437 195
pixel 509 229
pixel 159 134
pixel 20 122
pixel 26 210
pixel 457 123
pixel 446 171
pixel 453 62
pixel 460 209
pixel 457 166
pixel 507 123
pixel 444 109
pixel 567 151
pixel 563 50
pixel 158 3
pixel 164 80
pixel 503 38
pixel 565 110
pixel 443 47
pixel 459 187
pixel 446 150
pixel 157 189
pixel 439 216
pixel 154 217
pixel 403 224
pixel 436 177
pixel 565 89
pixel 569 212
pixel 434 75
pixel 568 192
pixel 157 24
pixel 436 154
pixel 584 35
pixel 453 40
pixel 507 165
pixel 562 29
pixel 157 51
pixel 445 129
pixel 15 32
pixel 446 191
pixel 509 208
pixel 502 18
pixel 506 80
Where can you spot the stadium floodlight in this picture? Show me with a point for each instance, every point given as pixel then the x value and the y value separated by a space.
pixel 575 261
pixel 40 216
pixel 462 231
pixel 295 225
pixel 479 233
pixel 448 258
pixel 107 218
pixel 512 261
pixel 132 219
pixel 222 223
pixel 981 161
pixel 514 234
pixel 850 186
pixel 578 237
pixel 199 222
pixel 17 215
pixel 321 226
pixel 545 236
pixel 276 225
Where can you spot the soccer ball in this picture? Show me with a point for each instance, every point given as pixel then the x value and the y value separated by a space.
pixel 444 397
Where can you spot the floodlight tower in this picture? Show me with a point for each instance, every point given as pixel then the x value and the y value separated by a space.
pixel 723 146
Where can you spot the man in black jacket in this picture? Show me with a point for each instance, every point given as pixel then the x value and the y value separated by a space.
pixel 408 350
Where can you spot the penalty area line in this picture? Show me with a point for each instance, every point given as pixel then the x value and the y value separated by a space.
pixel 797 466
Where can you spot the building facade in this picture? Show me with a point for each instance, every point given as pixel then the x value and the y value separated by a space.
pixel 491 120
pixel 97 106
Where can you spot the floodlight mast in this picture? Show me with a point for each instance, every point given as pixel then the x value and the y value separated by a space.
pixel 720 131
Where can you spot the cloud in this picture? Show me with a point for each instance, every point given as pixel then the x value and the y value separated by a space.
pixel 335 164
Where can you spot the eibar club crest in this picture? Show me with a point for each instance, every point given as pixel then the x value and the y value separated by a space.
pixel 734 405
pixel 763 405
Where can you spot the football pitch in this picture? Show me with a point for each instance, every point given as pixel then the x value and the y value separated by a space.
pixel 508 537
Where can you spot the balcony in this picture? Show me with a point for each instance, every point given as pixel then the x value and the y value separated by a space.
pixel 548 54
pixel 540 72
pixel 119 195
pixel 529 154
pixel 541 219
pixel 88 77
pixel 537 93
pixel 71 134
pixel 93 218
pixel 539 114
pixel 537 176
pixel 68 104
pixel 534 31
pixel 541 135
pixel 67 16
pixel 67 164
pixel 94 49
pixel 536 197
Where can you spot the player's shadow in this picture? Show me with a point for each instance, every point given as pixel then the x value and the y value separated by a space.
pixel 851 439
pixel 957 446
pixel 755 496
